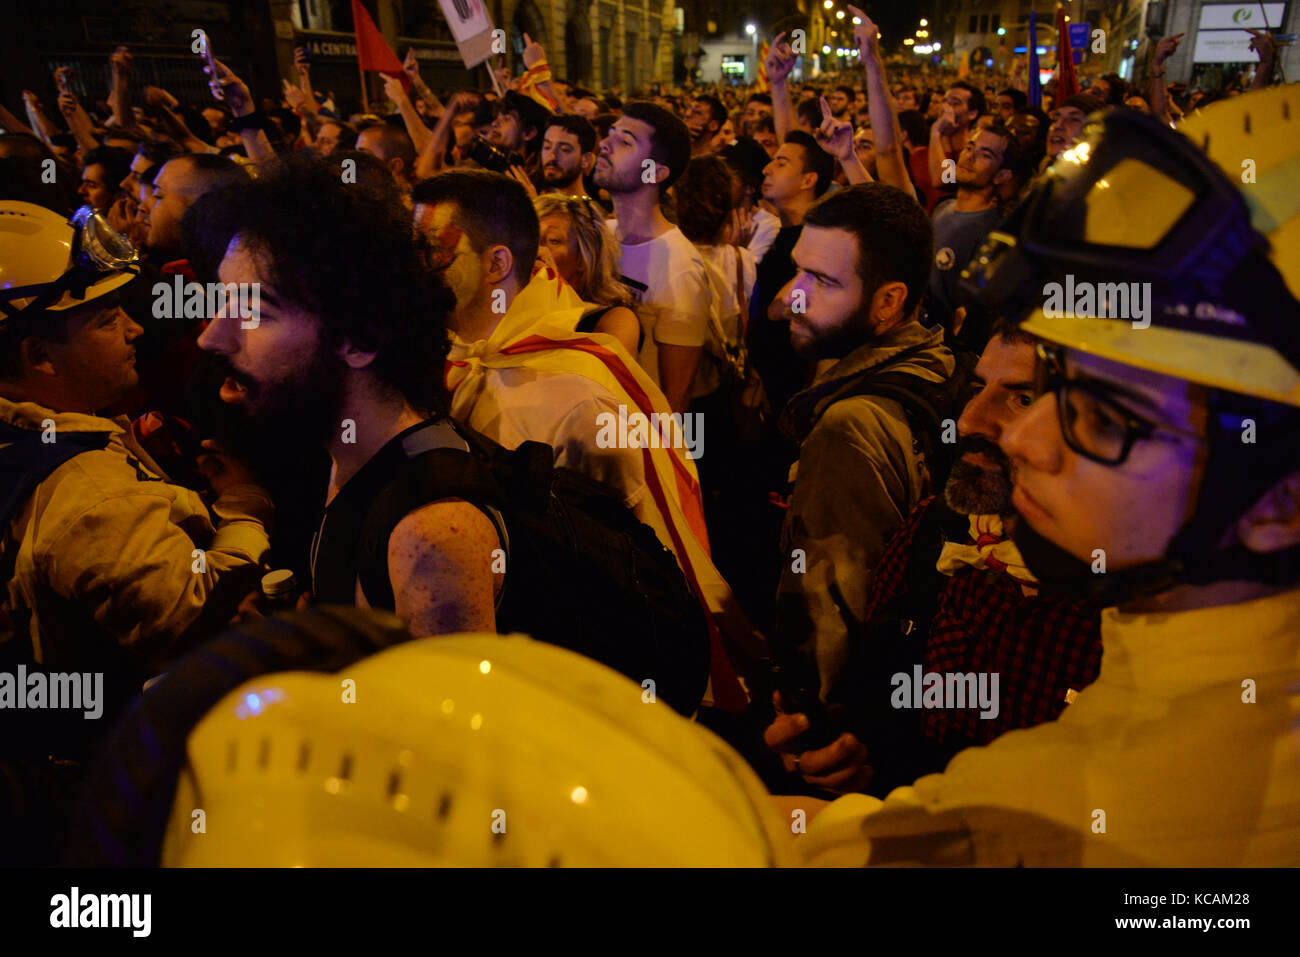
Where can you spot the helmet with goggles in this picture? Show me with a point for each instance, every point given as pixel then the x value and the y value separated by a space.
pixel 49 263
pixel 1187 246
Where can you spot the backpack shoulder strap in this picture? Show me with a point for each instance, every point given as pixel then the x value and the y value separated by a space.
pixel 741 293
pixel 927 405
pixel 26 461
pixel 940 524
pixel 919 397
pixel 441 464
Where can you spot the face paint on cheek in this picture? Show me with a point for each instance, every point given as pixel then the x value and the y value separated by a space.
pixel 463 277
pixel 450 252
pixel 446 243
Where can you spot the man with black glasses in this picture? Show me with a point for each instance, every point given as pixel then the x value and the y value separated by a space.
pixel 1159 470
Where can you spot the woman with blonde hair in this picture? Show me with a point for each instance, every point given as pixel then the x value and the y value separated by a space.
pixel 576 244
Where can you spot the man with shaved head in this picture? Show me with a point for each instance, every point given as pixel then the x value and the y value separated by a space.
pixel 177 187
pixel 394 147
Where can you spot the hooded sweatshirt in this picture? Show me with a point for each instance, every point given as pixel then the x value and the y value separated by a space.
pixel 860 473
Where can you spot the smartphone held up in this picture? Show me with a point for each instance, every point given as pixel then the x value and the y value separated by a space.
pixel 214 75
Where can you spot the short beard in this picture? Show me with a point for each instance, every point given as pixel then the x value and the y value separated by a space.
pixel 304 409
pixel 838 342
pixel 562 179
pixel 611 183
pixel 972 490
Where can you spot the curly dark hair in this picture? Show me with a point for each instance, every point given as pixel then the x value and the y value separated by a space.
pixel 347 254
pixel 703 199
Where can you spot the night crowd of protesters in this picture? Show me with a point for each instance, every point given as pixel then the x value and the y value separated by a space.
pixel 866 473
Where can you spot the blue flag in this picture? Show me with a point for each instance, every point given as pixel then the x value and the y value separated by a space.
pixel 1035 87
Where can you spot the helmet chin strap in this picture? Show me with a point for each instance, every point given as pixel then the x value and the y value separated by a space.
pixel 1053 566
pixel 1056 568
pixel 1235 476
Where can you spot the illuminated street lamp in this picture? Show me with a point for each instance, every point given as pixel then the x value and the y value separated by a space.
pixel 925 23
pixel 839 14
pixel 828 4
pixel 753 35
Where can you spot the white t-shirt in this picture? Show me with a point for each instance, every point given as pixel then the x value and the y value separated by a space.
pixel 766 226
pixel 669 281
pixel 721 263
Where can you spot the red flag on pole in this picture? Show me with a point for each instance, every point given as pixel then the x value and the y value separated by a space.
pixel 373 52
pixel 1067 85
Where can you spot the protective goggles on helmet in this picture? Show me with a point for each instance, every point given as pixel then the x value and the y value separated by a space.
pixel 98 252
pixel 1139 203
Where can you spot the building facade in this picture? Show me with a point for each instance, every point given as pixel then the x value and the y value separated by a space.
pixel 994 33
pixel 623 45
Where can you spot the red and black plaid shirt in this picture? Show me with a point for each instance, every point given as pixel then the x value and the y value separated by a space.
pixel 1040 646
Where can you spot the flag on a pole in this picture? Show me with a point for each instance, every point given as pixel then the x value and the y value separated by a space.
pixel 763 85
pixel 1035 86
pixel 1066 83
pixel 373 51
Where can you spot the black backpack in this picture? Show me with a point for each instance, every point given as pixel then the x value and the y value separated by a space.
pixel 582 571
pixel 893 642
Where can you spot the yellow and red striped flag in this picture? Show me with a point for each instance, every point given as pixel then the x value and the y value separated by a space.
pixel 763 85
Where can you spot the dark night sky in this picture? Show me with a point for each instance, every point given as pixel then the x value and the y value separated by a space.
pixel 896 18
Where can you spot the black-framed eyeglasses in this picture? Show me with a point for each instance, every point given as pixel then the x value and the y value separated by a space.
pixel 1093 423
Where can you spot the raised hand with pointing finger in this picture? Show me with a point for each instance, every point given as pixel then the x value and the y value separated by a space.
pixel 834 136
pixel 393 89
pixel 411 65
pixel 865 34
pixel 534 53
pixel 780 60
pixel 1167 47
pixel 1262 43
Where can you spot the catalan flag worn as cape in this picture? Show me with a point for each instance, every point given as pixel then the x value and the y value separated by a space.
pixel 537 333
